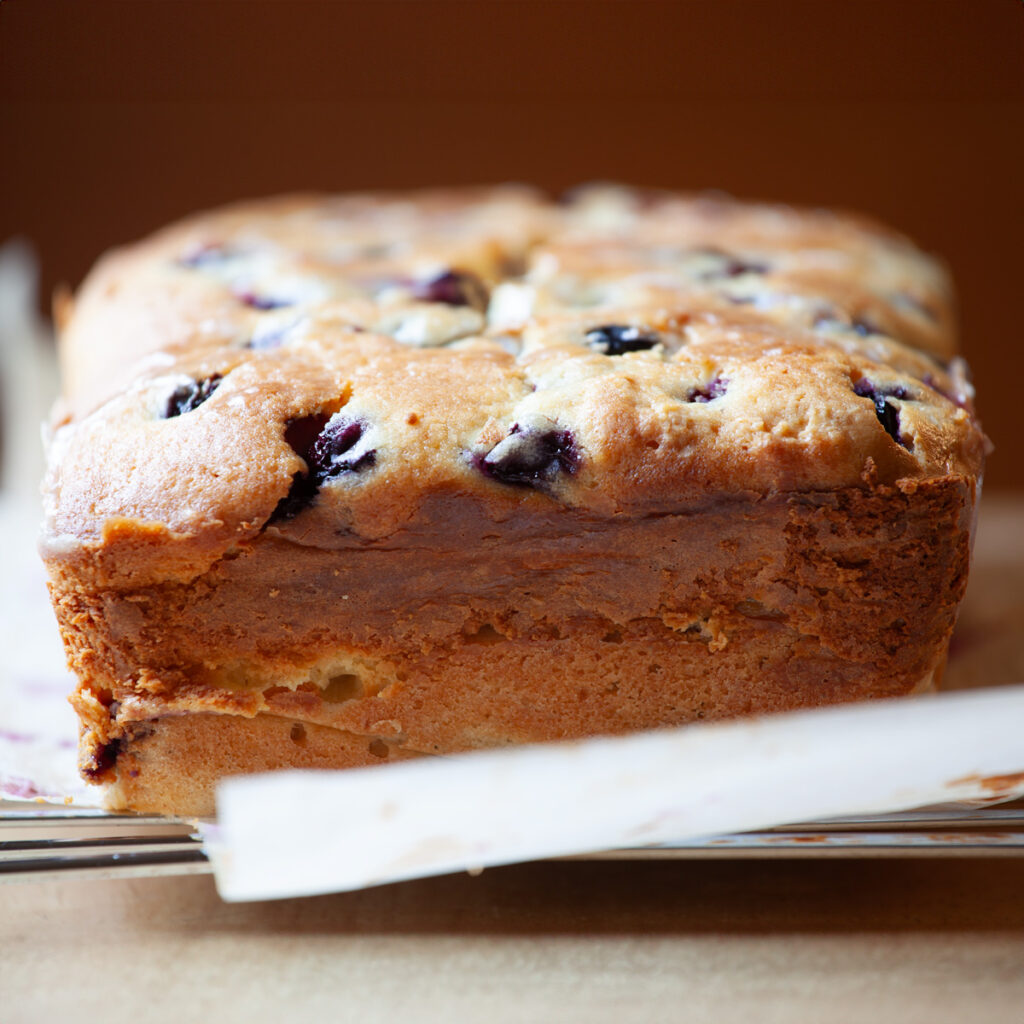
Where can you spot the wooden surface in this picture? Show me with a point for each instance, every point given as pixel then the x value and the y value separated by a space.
pixel 797 941
pixel 848 941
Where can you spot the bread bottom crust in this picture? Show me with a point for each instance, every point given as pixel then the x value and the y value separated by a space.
pixel 171 765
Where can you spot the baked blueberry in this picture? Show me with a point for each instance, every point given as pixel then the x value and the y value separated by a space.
pixel 102 760
pixel 330 446
pixel 737 268
pixel 301 433
pixel 337 449
pixel 617 339
pixel 529 457
pixel 860 325
pixel 301 495
pixel 929 380
pixel 715 388
pixel 261 302
pixel 453 288
pixel 863 326
pixel 731 266
pixel 187 397
pixel 888 414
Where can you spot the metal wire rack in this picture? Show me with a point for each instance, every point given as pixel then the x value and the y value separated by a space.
pixel 40 842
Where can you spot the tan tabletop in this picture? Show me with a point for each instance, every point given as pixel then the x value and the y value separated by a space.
pixel 772 941
pixel 809 940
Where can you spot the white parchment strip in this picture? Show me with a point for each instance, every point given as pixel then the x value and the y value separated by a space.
pixel 300 833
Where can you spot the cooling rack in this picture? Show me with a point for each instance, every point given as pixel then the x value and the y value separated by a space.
pixel 42 841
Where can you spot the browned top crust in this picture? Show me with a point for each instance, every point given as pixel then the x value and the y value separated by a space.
pixel 310 366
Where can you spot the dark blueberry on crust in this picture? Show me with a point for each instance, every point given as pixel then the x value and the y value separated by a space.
pixel 888 414
pixel 330 446
pixel 930 381
pixel 736 268
pixel 300 496
pixel 338 450
pixel 860 325
pixel 261 302
pixel 715 388
pixel 866 389
pixel 528 458
pixel 102 760
pixel 453 288
pixel 863 326
pixel 301 433
pixel 732 266
pixel 190 396
pixel 617 339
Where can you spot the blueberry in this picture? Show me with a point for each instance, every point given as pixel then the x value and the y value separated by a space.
pixel 261 302
pixel 863 326
pixel 527 457
pixel 929 380
pixel 715 388
pixel 617 339
pixel 337 450
pixel 860 325
pixel 453 288
pixel 102 760
pixel 330 447
pixel 190 396
pixel 301 433
pixel 888 414
pixel 732 266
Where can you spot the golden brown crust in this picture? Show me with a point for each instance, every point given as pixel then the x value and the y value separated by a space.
pixel 463 469
pixel 172 766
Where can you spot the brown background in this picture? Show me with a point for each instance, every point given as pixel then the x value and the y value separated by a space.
pixel 119 116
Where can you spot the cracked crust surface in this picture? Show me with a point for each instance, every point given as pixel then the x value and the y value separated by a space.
pixel 455 469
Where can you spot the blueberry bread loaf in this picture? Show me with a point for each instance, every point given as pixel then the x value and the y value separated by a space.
pixel 336 481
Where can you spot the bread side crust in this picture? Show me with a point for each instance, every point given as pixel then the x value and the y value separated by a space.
pixel 435 642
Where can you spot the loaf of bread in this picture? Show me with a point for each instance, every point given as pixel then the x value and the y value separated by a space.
pixel 342 480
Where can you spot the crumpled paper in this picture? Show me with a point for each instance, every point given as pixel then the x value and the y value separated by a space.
pixel 38 730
